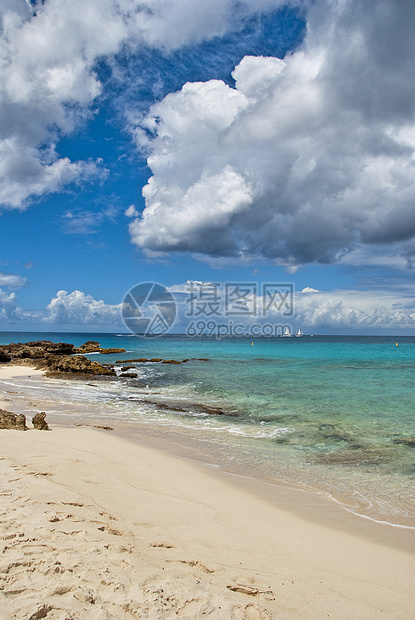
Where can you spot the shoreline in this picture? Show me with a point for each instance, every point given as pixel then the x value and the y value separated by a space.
pixel 197 540
pixel 174 442
pixel 183 532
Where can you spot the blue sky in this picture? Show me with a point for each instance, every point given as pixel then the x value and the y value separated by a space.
pixel 184 141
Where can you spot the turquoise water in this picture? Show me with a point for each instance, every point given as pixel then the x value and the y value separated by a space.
pixel 324 412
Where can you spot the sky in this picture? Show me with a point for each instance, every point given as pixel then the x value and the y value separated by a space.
pixel 217 142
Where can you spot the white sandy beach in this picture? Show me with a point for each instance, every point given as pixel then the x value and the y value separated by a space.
pixel 93 525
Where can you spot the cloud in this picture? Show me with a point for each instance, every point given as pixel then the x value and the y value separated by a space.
pixel 48 71
pixel 48 83
pixel 170 25
pixel 131 211
pixel 392 255
pixel 7 305
pixel 9 311
pixel 75 308
pixel 81 222
pixel 309 289
pixel 388 308
pixel 306 159
pixel 12 280
pixel 80 308
pixel 189 286
pixel 356 310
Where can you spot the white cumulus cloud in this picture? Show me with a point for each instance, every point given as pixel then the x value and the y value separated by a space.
pixel 304 160
pixel 389 308
pixel 9 311
pixel 48 56
pixel 354 309
pixel 131 211
pixel 80 308
pixel 12 280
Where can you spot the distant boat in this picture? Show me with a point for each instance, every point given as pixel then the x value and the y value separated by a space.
pixel 299 333
pixel 286 332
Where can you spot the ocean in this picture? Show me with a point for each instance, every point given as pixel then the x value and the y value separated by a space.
pixel 327 413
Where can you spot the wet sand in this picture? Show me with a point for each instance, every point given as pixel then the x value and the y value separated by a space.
pixel 95 525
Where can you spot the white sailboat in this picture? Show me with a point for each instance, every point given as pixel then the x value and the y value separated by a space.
pixel 286 333
pixel 299 333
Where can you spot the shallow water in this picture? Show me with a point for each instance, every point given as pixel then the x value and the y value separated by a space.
pixel 322 412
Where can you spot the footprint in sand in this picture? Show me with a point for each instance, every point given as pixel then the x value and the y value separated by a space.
pixel 40 474
pixel 118 548
pixel 85 596
pixel 163 545
pixel 194 564
pixel 250 612
pixel 59 516
pixel 108 516
pixel 110 530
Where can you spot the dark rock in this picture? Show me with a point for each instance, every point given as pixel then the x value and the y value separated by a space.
pixel 78 365
pixel 190 408
pixel 144 360
pixel 56 357
pixel 12 420
pixel 4 357
pixel 91 346
pixel 139 359
pixel 39 421
pixel 59 348
pixel 406 442
pixel 124 368
pixel 326 429
pixel 329 431
pixel 103 428
pixel 352 457
pixel 109 351
pixel 129 375
pixel 197 359
pixel 36 349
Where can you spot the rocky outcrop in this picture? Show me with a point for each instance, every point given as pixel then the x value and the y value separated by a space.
pixel 111 351
pixel 4 358
pixel 140 360
pixel 145 360
pixel 79 365
pixel 56 357
pixel 12 421
pixel 190 408
pixel 35 349
pixel 39 422
pixel 92 346
pixel 406 442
